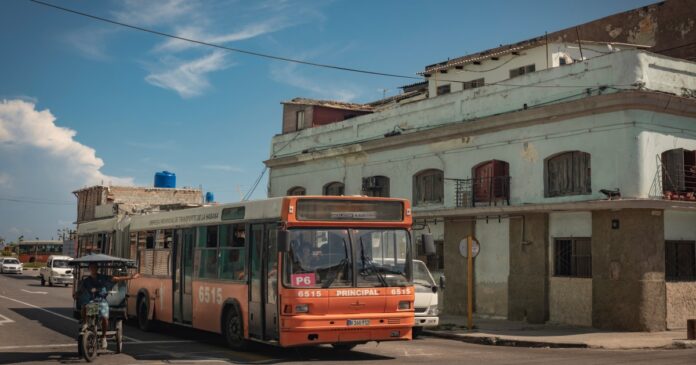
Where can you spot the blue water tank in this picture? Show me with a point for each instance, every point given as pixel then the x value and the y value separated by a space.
pixel 209 197
pixel 165 179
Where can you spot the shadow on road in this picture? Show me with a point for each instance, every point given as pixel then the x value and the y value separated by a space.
pixel 20 277
pixel 165 344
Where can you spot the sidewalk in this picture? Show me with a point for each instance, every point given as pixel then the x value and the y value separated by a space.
pixel 510 333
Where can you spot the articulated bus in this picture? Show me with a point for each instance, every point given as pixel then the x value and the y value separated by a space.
pixel 290 271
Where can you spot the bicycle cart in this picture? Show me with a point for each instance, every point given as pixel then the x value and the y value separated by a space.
pixel 88 339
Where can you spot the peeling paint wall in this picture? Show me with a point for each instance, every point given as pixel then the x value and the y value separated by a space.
pixel 570 299
pixel 492 268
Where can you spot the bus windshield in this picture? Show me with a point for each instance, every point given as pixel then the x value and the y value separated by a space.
pixel 324 258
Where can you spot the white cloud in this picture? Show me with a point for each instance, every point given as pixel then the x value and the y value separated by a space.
pixel 149 12
pixel 24 130
pixel 188 78
pixel 222 167
pixel 288 74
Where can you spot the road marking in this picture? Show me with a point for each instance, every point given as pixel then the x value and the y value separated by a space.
pixel 34 292
pixel 37 346
pixel 56 314
pixel 4 320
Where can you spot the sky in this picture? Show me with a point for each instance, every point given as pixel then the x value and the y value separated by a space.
pixel 84 102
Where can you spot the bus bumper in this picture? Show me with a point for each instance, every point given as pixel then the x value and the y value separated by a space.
pixel 304 331
pixel 427 321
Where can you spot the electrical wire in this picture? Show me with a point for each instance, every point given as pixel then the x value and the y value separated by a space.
pixel 219 46
pixel 265 168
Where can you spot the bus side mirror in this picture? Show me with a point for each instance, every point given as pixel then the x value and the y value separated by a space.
pixel 428 244
pixel 283 241
pixel 442 282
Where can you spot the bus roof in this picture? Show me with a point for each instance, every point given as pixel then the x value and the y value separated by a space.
pixel 41 242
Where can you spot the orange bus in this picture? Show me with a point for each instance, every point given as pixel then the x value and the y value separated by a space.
pixel 290 271
pixel 38 251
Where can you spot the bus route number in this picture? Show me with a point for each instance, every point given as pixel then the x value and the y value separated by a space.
pixel 208 294
pixel 400 291
pixel 309 293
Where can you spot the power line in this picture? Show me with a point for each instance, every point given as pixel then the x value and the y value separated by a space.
pixel 231 49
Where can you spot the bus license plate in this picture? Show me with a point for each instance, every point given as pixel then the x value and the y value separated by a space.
pixel 358 322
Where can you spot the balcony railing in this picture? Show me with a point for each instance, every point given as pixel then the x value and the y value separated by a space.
pixel 482 191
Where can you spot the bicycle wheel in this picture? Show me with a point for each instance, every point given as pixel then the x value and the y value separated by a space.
pixel 89 345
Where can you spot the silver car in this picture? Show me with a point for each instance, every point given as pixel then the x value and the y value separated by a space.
pixel 10 265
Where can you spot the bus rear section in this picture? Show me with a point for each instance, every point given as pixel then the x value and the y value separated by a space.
pixel 346 273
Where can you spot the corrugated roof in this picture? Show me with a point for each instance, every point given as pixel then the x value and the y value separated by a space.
pixel 330 104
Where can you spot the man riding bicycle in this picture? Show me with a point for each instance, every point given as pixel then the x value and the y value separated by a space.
pixel 95 288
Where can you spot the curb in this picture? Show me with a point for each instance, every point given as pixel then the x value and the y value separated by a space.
pixel 497 341
pixel 684 344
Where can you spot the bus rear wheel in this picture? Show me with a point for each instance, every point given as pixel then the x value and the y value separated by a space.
pixel 233 330
pixel 144 323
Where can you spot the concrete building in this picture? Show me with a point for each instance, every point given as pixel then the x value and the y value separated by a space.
pixel 577 177
pixel 103 202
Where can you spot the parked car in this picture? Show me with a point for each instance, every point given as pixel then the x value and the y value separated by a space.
pixel 10 265
pixel 57 271
pixel 426 303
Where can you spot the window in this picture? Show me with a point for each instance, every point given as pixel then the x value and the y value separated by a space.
pixel 234 213
pixel 207 252
pixel 297 190
pixel 376 186
pixel 232 252
pixel 428 187
pixel 300 120
pixel 679 173
pixel 334 188
pixel 680 260
pixel 573 257
pixel 473 84
pixel 149 238
pixel 491 182
pixel 567 173
pixel 519 71
pixel 443 89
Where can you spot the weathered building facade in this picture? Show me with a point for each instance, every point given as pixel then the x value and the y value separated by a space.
pixel 577 177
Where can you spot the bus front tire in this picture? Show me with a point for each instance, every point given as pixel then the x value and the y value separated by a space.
pixel 43 281
pixel 144 323
pixel 233 330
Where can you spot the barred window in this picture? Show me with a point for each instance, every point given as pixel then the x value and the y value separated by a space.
pixel 443 89
pixel 334 188
pixel 297 190
pixel 573 257
pixel 376 186
pixel 680 260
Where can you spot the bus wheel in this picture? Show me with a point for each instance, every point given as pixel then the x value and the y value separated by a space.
pixel 144 323
pixel 43 281
pixel 343 346
pixel 233 330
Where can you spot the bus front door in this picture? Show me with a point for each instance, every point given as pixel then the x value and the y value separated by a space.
pixel 182 258
pixel 263 288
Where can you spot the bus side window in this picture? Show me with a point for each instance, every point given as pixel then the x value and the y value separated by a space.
pixel 208 242
pixel 232 252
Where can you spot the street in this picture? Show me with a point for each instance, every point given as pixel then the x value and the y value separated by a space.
pixel 36 326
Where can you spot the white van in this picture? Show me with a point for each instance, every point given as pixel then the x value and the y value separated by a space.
pixel 57 271
pixel 426 304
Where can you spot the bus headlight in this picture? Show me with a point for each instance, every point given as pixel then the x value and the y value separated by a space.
pixel 404 305
pixel 301 308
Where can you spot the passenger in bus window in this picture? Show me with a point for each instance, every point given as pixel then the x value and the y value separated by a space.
pixel 239 236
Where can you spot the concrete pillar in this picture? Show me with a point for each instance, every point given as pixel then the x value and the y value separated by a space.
pixel 528 281
pixel 628 266
pixel 454 298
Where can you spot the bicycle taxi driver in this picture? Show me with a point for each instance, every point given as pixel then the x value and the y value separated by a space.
pixel 95 287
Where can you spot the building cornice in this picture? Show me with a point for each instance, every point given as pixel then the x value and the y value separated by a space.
pixel 589 205
pixel 552 113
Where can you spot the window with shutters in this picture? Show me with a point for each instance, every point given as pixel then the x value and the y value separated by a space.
pixel 443 89
pixel 334 188
pixel 297 190
pixel 573 257
pixel 376 186
pixel 519 71
pixel 680 260
pixel 679 173
pixel 473 84
pixel 567 173
pixel 300 120
pixel 428 187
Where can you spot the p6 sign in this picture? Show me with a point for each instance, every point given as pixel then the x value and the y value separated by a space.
pixel 303 279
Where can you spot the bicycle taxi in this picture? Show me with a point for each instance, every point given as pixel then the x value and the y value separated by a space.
pixel 114 294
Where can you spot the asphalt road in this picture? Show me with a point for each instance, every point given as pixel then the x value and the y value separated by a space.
pixel 36 326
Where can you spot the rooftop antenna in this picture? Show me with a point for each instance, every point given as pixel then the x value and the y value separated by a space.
pixel 384 92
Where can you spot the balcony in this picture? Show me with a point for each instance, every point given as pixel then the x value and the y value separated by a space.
pixel 482 191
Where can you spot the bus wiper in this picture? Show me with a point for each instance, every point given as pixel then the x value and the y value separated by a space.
pixel 368 259
pixel 341 266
